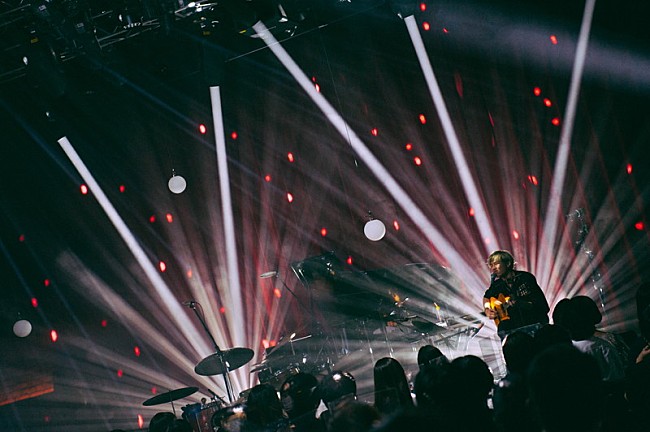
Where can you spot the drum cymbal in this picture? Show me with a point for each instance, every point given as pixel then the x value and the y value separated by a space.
pixel 233 358
pixel 170 396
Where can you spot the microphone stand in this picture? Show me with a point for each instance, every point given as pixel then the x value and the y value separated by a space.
pixel 222 363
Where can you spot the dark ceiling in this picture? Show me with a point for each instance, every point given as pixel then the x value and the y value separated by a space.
pixel 130 94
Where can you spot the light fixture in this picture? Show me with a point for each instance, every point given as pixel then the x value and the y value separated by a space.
pixel 269 274
pixel 176 184
pixel 374 229
pixel 22 328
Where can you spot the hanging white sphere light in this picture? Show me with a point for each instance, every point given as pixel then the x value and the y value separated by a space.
pixel 22 328
pixel 374 230
pixel 177 184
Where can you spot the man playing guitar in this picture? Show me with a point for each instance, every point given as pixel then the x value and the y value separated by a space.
pixel 514 300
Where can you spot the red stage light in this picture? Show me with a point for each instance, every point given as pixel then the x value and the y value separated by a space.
pixel 396 225
pixel 104 323
pixel 277 293
pixel 152 219
pixel 374 131
pixel 422 118
pixel 202 129
pixel 84 189
pixel 417 160
pixel 548 102
pixel 323 232
pixel 423 6
pixel 162 266
pixel 444 30
pixel 21 238
pixel 222 310
pixel 555 121
pixel 537 91
pixel 426 26
pixel 46 282
pixel 136 351
pixel 122 188
pixel 234 135
pixel 640 226
pixel 189 274
pixel 349 260
pixel 140 421
pixel 289 197
pixel 290 157
pixel 471 211
pixel 533 179
pixel 515 235
pixel 169 218
pixel 34 302
pixel 54 336
pixel 628 168
pixel 317 87
pixel 154 390
pixel 120 373
pixel 267 178
pixel 408 146
pixel 553 39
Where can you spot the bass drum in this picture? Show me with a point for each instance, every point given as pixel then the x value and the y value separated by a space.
pixel 200 415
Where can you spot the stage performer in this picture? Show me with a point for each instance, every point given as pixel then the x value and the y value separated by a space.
pixel 514 300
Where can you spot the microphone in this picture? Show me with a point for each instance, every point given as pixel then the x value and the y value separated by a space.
pixel 189 303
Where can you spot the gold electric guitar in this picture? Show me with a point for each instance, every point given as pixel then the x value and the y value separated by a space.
pixel 499 305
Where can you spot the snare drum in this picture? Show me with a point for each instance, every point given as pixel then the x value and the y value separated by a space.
pixel 200 415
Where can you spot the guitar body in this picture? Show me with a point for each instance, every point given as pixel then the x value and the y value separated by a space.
pixel 500 306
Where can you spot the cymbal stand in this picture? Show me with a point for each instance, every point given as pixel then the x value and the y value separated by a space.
pixel 224 365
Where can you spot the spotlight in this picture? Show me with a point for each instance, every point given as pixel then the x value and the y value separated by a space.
pixel 374 229
pixel 177 184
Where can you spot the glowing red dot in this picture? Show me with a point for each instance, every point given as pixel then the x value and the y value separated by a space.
pixel 349 260
pixel 548 102
pixel 313 79
pixel 444 30
pixel 289 197
pixel 222 310
pixel 272 343
pixel 640 226
pixel 628 168
pixel 21 238
pixel 533 179
pixel 267 178
pixel 154 390
pixel 202 128
pixel 423 119
pixel 537 91
pixel 104 323
pixel 34 302
pixel 423 6
pixel 169 217
pixel 417 160
pixel 234 135
pixel 396 225
pixel 553 39
pixel 323 232
pixel 47 418
pixel 374 131
pixel 265 343
pixel 84 189
pixel 162 266
pixel 46 282
pixel 140 421
pixel 426 26
pixel 120 373
pixel 317 87
pixel 277 293
pixel 408 146
pixel 54 335
pixel 471 212
pixel 515 235
pixel 122 188
pixel 152 219
pixel 555 121
pixel 136 351
pixel 290 157
pixel 189 273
